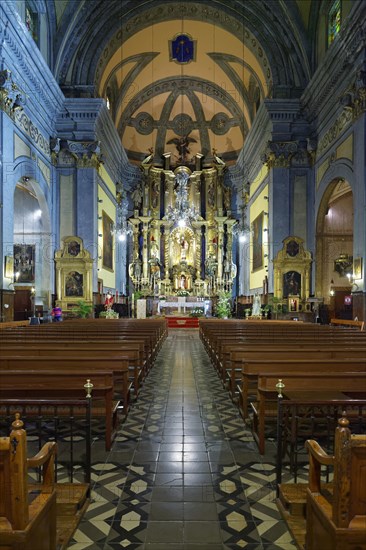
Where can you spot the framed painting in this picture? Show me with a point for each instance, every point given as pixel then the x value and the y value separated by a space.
pixel 24 263
pixel 107 255
pixel 257 229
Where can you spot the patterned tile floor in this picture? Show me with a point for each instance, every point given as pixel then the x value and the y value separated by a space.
pixel 184 472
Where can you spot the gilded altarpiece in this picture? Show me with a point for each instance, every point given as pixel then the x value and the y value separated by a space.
pixel 169 257
pixel 292 270
pixel 74 267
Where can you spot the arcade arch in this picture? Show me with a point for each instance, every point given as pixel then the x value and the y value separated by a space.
pixel 334 248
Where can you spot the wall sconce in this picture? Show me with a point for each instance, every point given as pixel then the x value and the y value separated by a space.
pixel 265 213
pixel 265 229
pixel 266 198
pixel 99 217
pixel 100 200
pixel 100 234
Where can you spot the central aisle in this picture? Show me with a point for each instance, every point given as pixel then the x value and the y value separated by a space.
pixel 184 473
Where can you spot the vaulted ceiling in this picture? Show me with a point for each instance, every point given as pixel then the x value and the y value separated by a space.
pixel 243 52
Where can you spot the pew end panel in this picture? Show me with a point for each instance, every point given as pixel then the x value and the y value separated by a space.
pixel 22 524
pixel 338 523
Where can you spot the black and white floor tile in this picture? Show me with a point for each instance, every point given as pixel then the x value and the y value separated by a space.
pixel 184 472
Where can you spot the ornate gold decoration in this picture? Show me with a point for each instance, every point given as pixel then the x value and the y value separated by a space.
pixel 169 256
pixel 292 271
pixel 74 268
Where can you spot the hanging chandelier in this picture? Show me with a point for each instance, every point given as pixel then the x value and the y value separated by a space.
pixel 182 214
pixel 242 228
pixel 121 229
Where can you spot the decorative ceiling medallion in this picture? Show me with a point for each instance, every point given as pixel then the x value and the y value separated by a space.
pixel 220 124
pixel 144 123
pixel 182 124
pixel 182 48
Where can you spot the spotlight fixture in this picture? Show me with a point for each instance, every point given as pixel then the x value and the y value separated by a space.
pixel 100 234
pixel 100 200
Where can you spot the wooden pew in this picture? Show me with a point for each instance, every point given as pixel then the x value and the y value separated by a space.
pixel 22 525
pixel 231 371
pixel 129 354
pixel 318 383
pixel 117 366
pixel 339 524
pixel 348 323
pixel 55 384
pixel 252 369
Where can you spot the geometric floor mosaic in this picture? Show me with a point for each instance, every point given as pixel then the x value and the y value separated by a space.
pixel 184 472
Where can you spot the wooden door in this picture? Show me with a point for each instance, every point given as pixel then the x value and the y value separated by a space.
pixel 22 304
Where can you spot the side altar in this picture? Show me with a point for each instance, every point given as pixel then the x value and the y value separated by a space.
pixel 182 231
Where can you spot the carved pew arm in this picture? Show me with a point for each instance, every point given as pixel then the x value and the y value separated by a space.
pixel 317 458
pixel 46 458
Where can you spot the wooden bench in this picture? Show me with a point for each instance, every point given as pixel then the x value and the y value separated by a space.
pixel 348 323
pixel 50 384
pixel 339 523
pixel 315 382
pixel 252 369
pixel 117 366
pixel 24 525
pixel 231 371
pixel 129 354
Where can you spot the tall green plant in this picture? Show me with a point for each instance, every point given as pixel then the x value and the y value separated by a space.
pixel 83 309
pixel 223 306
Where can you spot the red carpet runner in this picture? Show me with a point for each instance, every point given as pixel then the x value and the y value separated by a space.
pixel 182 322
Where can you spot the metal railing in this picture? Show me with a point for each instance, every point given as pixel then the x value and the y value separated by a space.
pixel 66 422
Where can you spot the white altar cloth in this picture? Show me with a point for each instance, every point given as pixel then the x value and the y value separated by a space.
pixel 180 304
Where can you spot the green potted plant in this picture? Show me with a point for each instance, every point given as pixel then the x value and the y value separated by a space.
pixel 266 309
pixel 83 309
pixel 247 312
pixel 223 306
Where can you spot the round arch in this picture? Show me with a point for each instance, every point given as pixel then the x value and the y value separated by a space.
pixel 334 239
pixel 32 232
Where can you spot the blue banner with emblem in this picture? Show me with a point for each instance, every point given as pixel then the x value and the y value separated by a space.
pixel 183 49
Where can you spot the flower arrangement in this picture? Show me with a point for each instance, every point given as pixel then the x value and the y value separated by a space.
pixel 182 293
pixel 196 312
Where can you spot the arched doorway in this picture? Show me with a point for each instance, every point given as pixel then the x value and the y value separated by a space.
pixel 334 249
pixel 32 246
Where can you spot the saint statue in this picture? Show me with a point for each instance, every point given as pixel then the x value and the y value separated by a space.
pixel 256 310
pixel 136 196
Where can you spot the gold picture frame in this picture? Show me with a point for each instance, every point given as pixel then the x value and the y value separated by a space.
pixel 357 268
pixel 9 267
pixel 107 254
pixel 257 228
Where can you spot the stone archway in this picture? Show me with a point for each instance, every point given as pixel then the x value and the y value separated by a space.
pixel 32 249
pixel 334 247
